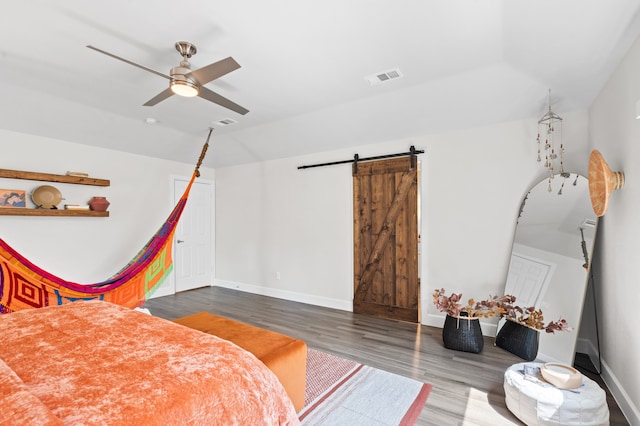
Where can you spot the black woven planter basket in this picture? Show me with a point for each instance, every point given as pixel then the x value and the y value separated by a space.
pixel 519 339
pixel 462 334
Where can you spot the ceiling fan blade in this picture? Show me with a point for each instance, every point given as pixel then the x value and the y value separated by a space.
pixel 221 100
pixel 214 70
pixel 159 97
pixel 129 62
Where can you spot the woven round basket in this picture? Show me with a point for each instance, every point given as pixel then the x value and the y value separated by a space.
pixel 462 334
pixel 519 339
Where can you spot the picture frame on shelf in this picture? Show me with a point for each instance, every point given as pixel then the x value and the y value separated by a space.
pixel 13 198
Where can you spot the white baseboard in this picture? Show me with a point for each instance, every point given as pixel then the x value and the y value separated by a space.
pixel 630 410
pixel 585 346
pixel 544 358
pixel 288 295
pixel 627 406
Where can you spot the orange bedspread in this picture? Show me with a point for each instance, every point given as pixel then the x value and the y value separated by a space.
pixel 95 363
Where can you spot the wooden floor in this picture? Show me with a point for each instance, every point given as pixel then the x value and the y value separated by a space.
pixel 467 388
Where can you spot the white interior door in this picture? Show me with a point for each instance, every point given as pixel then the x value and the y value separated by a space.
pixel 529 279
pixel 193 260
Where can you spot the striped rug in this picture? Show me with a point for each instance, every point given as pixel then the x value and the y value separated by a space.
pixel 344 392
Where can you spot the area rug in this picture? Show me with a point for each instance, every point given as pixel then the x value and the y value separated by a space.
pixel 344 392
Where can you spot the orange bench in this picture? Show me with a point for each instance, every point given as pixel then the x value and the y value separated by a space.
pixel 284 355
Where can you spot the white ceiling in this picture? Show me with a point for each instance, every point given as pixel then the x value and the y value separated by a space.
pixel 465 63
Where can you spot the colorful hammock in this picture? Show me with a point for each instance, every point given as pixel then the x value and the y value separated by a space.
pixel 24 285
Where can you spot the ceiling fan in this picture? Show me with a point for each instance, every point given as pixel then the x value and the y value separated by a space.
pixel 185 82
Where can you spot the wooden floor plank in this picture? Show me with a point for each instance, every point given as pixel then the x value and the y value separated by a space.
pixel 467 388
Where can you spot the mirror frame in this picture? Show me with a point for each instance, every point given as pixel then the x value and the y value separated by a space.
pixel 542 245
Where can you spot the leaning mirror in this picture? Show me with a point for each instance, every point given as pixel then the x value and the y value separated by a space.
pixel 552 249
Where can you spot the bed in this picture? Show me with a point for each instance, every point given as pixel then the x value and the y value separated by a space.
pixel 96 363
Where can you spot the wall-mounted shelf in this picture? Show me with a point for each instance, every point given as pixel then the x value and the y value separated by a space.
pixel 20 211
pixel 48 177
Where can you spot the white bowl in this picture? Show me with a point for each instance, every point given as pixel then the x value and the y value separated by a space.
pixel 561 376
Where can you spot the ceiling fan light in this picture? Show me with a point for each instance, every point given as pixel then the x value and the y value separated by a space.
pixel 184 88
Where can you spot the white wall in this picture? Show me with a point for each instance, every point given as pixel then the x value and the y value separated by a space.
pixel 286 232
pixel 616 134
pixel 87 249
pixel 273 218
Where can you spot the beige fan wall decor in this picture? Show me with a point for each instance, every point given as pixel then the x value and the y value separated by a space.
pixel 602 182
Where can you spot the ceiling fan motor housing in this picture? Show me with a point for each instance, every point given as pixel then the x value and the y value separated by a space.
pixel 179 78
pixel 180 73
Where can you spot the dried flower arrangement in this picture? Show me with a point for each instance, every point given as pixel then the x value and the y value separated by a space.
pixel 496 306
pixel 492 307
pixel 533 318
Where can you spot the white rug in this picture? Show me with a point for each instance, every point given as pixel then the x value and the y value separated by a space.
pixel 344 392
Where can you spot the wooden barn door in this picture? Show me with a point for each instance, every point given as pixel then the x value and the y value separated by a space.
pixel 385 201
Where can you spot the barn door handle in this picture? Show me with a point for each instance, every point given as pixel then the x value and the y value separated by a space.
pixel 179 241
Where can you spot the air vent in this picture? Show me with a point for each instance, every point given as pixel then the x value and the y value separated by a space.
pixel 589 223
pixel 384 76
pixel 226 122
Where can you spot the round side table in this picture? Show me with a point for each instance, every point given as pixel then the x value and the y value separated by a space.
pixel 536 402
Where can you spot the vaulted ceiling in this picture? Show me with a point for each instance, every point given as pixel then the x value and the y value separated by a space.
pixel 304 68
